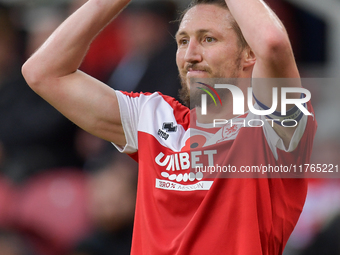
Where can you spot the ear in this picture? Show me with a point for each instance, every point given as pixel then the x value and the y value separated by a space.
pixel 249 58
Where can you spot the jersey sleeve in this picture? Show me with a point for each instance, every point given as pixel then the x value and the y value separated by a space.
pixel 275 141
pixel 147 113
pixel 129 108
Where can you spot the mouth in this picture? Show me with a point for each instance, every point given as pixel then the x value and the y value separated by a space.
pixel 192 73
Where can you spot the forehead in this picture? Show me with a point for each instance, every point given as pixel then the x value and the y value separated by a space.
pixel 205 17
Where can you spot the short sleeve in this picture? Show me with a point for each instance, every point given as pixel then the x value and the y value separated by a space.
pixel 129 113
pixel 274 140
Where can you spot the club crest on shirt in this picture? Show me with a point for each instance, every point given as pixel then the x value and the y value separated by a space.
pixel 228 132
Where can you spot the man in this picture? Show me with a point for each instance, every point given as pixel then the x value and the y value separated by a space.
pixel 178 210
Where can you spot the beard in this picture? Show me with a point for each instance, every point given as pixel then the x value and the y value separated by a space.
pixel 192 97
pixel 184 94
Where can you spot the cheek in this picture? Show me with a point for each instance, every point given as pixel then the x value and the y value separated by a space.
pixel 216 61
pixel 224 58
pixel 179 58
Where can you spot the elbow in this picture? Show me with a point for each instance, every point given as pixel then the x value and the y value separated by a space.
pixel 276 44
pixel 32 74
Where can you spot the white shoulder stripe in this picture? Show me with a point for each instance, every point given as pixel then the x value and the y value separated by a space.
pixel 148 114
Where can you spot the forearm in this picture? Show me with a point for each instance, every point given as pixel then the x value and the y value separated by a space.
pixel 269 41
pixel 64 51
pixel 260 26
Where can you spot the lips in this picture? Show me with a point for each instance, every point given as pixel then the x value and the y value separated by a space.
pixel 196 73
pixel 194 70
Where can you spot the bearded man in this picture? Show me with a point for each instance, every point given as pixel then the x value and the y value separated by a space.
pixel 180 210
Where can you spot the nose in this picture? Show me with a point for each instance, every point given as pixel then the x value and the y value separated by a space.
pixel 193 52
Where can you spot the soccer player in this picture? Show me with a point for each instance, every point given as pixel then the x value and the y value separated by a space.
pixel 180 210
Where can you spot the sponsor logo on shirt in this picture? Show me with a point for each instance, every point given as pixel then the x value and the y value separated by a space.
pixel 182 161
pixel 168 185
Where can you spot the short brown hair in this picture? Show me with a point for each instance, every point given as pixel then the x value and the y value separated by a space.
pixel 221 3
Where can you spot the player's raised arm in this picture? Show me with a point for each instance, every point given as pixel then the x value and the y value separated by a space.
pixel 267 37
pixel 269 41
pixel 53 73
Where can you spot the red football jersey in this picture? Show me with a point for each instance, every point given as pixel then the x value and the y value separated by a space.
pixel 182 211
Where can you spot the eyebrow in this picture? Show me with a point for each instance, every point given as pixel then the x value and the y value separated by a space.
pixel 198 32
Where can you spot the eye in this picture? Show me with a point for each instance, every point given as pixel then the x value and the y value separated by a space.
pixel 209 39
pixel 183 41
